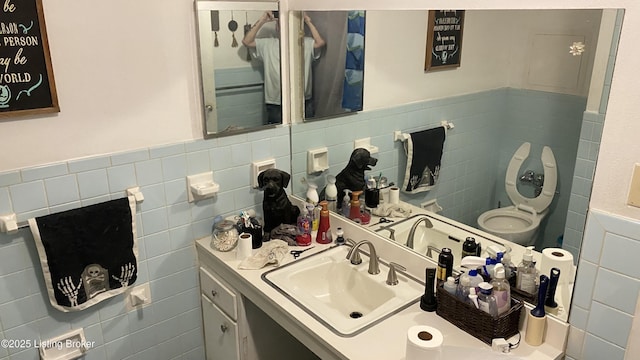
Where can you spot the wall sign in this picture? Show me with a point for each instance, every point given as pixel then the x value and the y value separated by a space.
pixel 444 39
pixel 26 77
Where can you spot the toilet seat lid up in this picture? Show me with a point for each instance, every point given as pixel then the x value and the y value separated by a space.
pixel 542 202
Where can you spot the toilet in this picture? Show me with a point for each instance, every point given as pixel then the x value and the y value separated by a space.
pixel 520 222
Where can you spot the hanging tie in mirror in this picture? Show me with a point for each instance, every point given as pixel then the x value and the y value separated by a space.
pixel 233 26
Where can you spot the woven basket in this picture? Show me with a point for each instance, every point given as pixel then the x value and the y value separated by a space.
pixel 477 322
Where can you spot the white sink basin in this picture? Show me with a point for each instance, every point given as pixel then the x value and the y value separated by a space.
pixel 344 297
pixel 439 236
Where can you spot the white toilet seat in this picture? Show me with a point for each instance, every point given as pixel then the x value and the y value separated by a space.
pixel 542 201
pixel 520 222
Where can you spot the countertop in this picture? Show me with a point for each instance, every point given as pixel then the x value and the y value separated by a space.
pixel 385 340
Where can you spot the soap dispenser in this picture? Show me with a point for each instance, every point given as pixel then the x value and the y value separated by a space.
pixel 324 233
pixel 354 205
pixel 312 193
pixel 527 273
pixel 345 203
pixel 331 193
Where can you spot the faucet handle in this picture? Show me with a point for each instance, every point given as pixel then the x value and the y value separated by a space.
pixel 392 277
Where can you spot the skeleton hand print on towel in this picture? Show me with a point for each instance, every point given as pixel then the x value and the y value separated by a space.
pixel 126 273
pixel 69 289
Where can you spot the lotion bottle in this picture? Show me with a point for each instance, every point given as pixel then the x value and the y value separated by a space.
pixel 324 233
pixel 354 205
pixel 312 193
pixel 331 193
pixel 501 289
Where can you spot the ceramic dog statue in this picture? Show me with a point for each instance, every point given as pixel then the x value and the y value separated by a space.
pixel 276 207
pixel 352 176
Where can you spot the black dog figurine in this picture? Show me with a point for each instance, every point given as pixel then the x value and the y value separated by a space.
pixel 276 206
pixel 352 176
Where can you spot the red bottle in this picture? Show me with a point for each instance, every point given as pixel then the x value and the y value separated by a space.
pixel 324 233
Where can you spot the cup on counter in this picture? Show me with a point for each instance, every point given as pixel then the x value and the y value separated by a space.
pixel 372 197
pixel 394 195
pixel 244 246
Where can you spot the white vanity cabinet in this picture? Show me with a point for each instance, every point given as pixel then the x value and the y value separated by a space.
pixel 234 327
pixel 220 315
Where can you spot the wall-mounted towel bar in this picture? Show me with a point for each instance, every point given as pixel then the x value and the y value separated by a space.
pixel 236 87
pixel 9 222
pixel 400 136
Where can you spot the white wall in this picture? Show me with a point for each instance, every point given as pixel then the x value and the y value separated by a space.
pixel 126 78
pixel 493 41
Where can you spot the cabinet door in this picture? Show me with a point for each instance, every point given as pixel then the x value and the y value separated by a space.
pixel 220 333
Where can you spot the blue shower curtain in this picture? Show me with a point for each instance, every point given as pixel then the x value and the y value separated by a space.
pixel 354 65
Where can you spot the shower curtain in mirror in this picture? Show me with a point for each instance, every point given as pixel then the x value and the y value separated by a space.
pixel 354 66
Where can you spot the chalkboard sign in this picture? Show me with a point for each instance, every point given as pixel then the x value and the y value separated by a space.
pixel 444 39
pixel 26 76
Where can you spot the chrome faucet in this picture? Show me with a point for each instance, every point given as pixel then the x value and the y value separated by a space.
pixel 431 248
pixel 374 267
pixel 412 232
pixel 355 258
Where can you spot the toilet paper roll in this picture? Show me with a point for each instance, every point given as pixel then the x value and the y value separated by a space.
pixel 394 195
pixel 245 246
pixel 424 342
pixel 558 258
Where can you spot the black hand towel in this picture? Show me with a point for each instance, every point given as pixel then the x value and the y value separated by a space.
pixel 87 254
pixel 424 152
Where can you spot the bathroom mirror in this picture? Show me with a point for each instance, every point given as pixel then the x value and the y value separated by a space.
pixel 524 84
pixel 332 64
pixel 238 94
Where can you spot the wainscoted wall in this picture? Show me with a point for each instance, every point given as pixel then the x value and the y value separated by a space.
pixel 171 327
pixel 606 291
pixel 489 127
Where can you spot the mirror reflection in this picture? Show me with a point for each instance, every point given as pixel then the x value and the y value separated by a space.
pixel 333 80
pixel 239 45
pixel 519 82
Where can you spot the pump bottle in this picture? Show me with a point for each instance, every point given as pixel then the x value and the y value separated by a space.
pixel 527 273
pixel 501 289
pixel 324 233
pixel 354 205
pixel 331 193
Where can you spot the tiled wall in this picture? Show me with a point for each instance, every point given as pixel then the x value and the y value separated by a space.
pixel 489 127
pixel 590 136
pixel 171 327
pixel 606 291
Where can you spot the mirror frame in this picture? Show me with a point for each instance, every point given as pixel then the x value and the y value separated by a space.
pixel 208 91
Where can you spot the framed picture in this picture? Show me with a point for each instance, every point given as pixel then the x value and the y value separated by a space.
pixel 27 86
pixel 444 39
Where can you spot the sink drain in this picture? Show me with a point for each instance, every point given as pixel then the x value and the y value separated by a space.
pixel 355 314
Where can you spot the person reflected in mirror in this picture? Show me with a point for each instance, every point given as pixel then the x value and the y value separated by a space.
pixel 267 50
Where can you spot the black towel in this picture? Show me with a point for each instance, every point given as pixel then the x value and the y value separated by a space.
pixel 87 254
pixel 424 153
